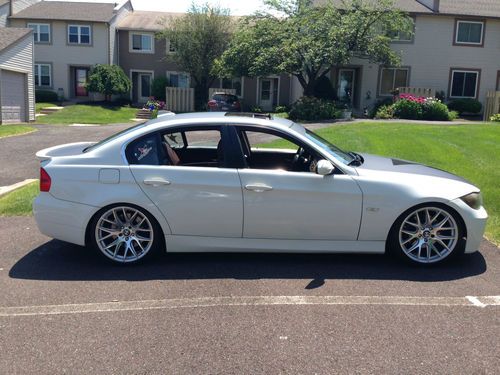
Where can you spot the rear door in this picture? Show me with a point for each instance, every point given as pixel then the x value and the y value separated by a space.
pixel 196 200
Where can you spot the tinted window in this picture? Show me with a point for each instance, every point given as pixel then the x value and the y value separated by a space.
pixel 144 151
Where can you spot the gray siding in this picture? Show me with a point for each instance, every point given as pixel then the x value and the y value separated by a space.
pixel 113 35
pixel 19 5
pixel 19 58
pixel 4 13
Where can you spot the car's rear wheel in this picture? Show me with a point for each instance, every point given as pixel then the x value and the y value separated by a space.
pixel 125 234
pixel 428 234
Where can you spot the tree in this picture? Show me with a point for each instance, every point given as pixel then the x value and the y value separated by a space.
pixel 108 80
pixel 198 38
pixel 297 38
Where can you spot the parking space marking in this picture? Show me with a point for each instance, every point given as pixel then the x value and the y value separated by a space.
pixel 201 302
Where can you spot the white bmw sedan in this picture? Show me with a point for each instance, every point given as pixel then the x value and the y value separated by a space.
pixel 207 182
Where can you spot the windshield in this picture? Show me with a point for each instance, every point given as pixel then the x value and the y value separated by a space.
pixel 340 155
pixel 114 136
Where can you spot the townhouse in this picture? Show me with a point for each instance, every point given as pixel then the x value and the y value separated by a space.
pixel 455 50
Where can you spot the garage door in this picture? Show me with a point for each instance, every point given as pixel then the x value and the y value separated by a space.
pixel 13 97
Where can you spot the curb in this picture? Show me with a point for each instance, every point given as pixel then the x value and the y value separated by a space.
pixel 9 189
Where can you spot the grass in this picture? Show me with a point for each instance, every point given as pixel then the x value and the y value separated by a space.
pixel 10 130
pixel 90 114
pixel 471 151
pixel 20 201
pixel 40 106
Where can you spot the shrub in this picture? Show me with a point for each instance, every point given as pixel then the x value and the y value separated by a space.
pixel 154 106
pixel 108 80
pixel 312 109
pixel 281 108
pixel 378 104
pixel 434 110
pixel 495 118
pixel 42 96
pixel 257 109
pixel 465 106
pixel 158 88
pixel 385 112
pixel 408 109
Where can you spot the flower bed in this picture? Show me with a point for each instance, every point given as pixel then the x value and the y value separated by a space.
pixel 412 107
pixel 154 106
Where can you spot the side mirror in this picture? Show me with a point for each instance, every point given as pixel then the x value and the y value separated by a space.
pixel 325 168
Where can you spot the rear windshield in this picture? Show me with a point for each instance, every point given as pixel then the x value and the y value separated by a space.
pixel 225 98
pixel 114 136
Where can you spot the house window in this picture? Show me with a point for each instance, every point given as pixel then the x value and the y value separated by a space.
pixel 233 83
pixel 391 79
pixel 178 79
pixel 41 32
pixel 469 32
pixel 143 43
pixel 43 75
pixel 464 83
pixel 400 36
pixel 79 34
pixel 170 47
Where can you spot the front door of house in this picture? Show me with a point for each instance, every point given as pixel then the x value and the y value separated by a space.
pixel 144 87
pixel 266 94
pixel 345 90
pixel 81 77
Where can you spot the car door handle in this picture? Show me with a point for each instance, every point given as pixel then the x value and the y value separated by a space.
pixel 156 182
pixel 258 188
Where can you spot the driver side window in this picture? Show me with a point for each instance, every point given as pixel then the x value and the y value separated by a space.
pixel 272 150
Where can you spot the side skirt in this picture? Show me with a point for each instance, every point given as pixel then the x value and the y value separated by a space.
pixel 196 244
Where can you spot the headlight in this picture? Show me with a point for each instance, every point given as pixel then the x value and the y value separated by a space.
pixel 473 200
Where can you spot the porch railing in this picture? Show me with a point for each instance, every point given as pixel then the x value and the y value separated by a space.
pixel 418 91
pixel 212 91
pixel 492 105
pixel 179 99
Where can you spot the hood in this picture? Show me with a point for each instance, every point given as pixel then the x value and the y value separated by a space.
pixel 379 163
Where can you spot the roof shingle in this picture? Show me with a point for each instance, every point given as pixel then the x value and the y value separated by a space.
pixel 10 35
pixel 146 20
pixel 481 8
pixel 68 11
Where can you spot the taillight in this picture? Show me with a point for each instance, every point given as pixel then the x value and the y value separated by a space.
pixel 45 180
pixel 212 103
pixel 237 104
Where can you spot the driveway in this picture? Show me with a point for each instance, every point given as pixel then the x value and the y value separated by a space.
pixel 65 310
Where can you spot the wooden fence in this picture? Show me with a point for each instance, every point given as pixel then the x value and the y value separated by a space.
pixel 179 99
pixel 418 91
pixel 212 91
pixel 492 105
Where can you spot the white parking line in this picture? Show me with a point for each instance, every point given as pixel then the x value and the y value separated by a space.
pixel 179 303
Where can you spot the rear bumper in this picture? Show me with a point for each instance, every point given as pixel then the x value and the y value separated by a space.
pixel 63 220
pixel 475 222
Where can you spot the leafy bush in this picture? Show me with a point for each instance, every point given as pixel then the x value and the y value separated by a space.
pixel 408 109
pixel 281 108
pixel 495 118
pixel 309 108
pixel 158 88
pixel 256 109
pixel 465 106
pixel 324 89
pixel 441 95
pixel 434 110
pixel 45 96
pixel 154 106
pixel 378 104
pixel 108 80
pixel 385 113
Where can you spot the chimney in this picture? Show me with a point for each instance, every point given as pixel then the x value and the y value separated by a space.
pixel 431 4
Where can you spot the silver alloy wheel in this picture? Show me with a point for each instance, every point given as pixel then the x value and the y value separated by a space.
pixel 428 235
pixel 124 234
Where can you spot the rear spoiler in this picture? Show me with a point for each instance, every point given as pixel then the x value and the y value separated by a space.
pixel 68 149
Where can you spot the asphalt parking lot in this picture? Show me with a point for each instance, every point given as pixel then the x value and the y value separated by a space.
pixel 65 310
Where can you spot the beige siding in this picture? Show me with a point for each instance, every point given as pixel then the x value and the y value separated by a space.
pixel 63 56
pixel 4 13
pixel 113 34
pixel 19 5
pixel 19 58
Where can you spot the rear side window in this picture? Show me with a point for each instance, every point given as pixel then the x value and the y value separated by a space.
pixel 144 151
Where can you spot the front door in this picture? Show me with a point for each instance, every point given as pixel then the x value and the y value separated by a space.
pixel 144 87
pixel 345 91
pixel 81 77
pixel 281 203
pixel 266 94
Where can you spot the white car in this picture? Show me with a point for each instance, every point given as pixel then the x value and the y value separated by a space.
pixel 205 183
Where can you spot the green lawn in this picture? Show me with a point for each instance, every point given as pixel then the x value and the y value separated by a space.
pixel 19 202
pixel 471 151
pixel 40 106
pixel 8 130
pixel 90 114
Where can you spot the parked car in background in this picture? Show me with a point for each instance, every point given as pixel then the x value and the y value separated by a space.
pixel 222 102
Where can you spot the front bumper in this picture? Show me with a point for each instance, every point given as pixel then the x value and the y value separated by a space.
pixel 475 222
pixel 63 220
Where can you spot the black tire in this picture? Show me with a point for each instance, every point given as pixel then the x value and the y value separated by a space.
pixel 394 247
pixel 153 247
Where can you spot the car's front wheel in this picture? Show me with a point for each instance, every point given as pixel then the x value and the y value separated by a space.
pixel 427 234
pixel 125 234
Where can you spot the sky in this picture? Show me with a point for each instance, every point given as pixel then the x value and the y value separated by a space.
pixel 237 7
